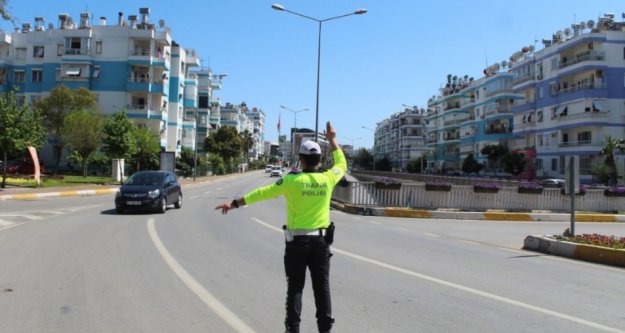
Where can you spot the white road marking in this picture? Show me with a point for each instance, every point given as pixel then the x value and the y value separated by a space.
pixel 211 301
pixel 194 197
pixel 469 242
pixel 5 223
pixel 432 235
pixel 467 289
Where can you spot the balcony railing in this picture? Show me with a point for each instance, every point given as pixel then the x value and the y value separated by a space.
pixel 585 56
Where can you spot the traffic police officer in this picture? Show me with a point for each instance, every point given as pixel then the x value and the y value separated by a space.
pixel 308 230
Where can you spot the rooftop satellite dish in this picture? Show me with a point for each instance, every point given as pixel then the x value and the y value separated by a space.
pixel 567 32
pixel 50 26
pixel 590 24
pixel 582 25
pixel 504 64
pixel 532 48
pixel 161 23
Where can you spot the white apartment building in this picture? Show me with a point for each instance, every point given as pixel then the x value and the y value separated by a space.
pixel 131 64
pixel 402 137
pixel 574 95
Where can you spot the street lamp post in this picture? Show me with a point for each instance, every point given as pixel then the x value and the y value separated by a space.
pixel 373 149
pixel 295 127
pixel 357 12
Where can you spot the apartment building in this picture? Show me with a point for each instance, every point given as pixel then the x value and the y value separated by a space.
pixel 131 64
pixel 402 137
pixel 574 96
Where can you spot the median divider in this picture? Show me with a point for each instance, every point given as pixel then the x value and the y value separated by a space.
pixel 488 215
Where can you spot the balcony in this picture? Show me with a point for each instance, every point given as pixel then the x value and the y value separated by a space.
pixel 582 57
pixel 587 86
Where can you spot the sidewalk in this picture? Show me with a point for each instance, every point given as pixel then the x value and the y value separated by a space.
pixel 26 193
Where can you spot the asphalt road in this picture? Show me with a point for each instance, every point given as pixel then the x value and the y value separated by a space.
pixel 73 265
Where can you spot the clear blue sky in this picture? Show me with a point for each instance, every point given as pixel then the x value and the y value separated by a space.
pixel 398 53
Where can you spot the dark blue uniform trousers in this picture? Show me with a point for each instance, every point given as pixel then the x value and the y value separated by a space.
pixel 314 253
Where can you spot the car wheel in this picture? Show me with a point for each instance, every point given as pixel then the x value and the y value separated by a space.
pixel 178 203
pixel 163 206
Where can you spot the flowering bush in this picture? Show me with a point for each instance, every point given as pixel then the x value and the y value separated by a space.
pixel 593 239
pixel 616 191
pixel 386 181
pixel 530 186
pixel 437 185
pixel 486 186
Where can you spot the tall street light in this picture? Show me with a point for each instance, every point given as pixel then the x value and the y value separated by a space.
pixel 295 128
pixel 373 149
pixel 357 12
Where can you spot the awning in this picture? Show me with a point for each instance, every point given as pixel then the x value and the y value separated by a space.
pixel 72 72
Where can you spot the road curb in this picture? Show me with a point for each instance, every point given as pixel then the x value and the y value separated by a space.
pixel 76 193
pixel 585 252
pixel 488 216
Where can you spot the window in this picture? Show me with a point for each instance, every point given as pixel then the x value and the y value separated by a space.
pixel 554 164
pixel 554 64
pixel 18 76
pixel 60 48
pixel 584 137
pixel 98 47
pixel 203 102
pixel 38 51
pixel 21 100
pixel 540 92
pixel 96 72
pixel 57 75
pixel 20 53
pixel 37 76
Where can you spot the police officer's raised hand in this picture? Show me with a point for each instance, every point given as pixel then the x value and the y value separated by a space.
pixel 330 134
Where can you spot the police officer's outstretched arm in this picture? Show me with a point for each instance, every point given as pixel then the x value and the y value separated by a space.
pixel 226 206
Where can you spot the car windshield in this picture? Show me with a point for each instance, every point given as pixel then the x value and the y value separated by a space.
pixel 145 179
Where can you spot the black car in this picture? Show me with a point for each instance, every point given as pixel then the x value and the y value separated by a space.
pixel 149 190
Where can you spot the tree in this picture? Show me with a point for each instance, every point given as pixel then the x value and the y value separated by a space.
pixel 611 146
pixel 494 154
pixel 363 159
pixel 247 143
pixel 83 133
pixel 148 146
pixel 119 136
pixel 56 107
pixel 4 12
pixel 184 163
pixel 471 165
pixel 513 163
pixel 383 164
pixel 226 143
pixel 414 165
pixel 20 127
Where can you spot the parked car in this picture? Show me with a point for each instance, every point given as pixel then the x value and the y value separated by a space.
pixel 149 190
pixel 23 166
pixel 552 182
pixel 276 170
pixel 268 167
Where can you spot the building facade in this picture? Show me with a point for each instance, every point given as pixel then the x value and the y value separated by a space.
pixel 131 65
pixel 402 137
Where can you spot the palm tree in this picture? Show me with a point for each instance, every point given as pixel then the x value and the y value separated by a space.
pixel 248 143
pixel 611 146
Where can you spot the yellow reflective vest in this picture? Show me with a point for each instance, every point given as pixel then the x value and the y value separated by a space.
pixel 307 194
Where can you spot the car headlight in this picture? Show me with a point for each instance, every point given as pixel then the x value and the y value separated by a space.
pixel 154 194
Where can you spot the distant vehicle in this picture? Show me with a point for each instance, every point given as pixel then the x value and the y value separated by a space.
pixel 149 190
pixel 268 167
pixel 22 166
pixel 552 182
pixel 276 170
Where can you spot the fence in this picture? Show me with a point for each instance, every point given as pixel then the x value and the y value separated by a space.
pixel 464 198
